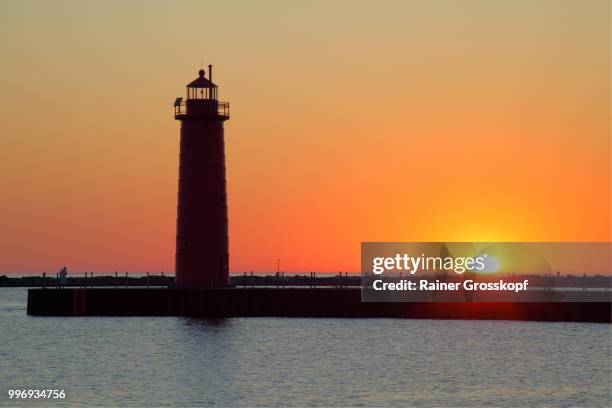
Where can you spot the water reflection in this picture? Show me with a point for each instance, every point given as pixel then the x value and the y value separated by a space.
pixel 206 322
pixel 187 362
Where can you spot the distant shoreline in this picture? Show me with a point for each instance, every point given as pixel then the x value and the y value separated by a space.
pixel 271 280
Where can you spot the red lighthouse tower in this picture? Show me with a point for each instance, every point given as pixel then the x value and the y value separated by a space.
pixel 202 258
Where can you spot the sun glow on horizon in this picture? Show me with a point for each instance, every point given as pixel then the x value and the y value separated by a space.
pixel 492 265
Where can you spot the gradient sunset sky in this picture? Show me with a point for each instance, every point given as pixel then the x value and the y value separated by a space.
pixel 352 121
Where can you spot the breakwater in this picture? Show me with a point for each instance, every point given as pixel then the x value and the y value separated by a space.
pixel 290 302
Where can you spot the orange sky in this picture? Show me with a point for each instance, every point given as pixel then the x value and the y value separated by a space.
pixel 351 121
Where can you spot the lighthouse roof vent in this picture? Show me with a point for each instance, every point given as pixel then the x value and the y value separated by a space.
pixel 201 81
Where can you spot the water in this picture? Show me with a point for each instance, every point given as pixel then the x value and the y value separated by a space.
pixel 143 361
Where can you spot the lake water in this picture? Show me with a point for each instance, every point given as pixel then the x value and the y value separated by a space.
pixel 160 361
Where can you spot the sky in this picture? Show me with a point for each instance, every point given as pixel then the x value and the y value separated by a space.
pixel 352 121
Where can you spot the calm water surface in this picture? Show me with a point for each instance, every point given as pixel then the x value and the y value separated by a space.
pixel 143 361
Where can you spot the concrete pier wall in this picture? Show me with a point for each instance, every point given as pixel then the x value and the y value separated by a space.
pixel 319 302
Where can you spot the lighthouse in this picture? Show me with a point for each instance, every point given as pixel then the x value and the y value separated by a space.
pixel 202 256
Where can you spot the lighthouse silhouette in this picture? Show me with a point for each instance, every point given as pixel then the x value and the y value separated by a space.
pixel 202 257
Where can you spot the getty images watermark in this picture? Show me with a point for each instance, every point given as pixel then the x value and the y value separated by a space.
pixel 448 264
pixel 461 271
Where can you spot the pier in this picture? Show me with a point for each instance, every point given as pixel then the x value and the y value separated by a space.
pixel 291 302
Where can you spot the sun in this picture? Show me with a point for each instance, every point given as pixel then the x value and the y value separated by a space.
pixel 492 264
